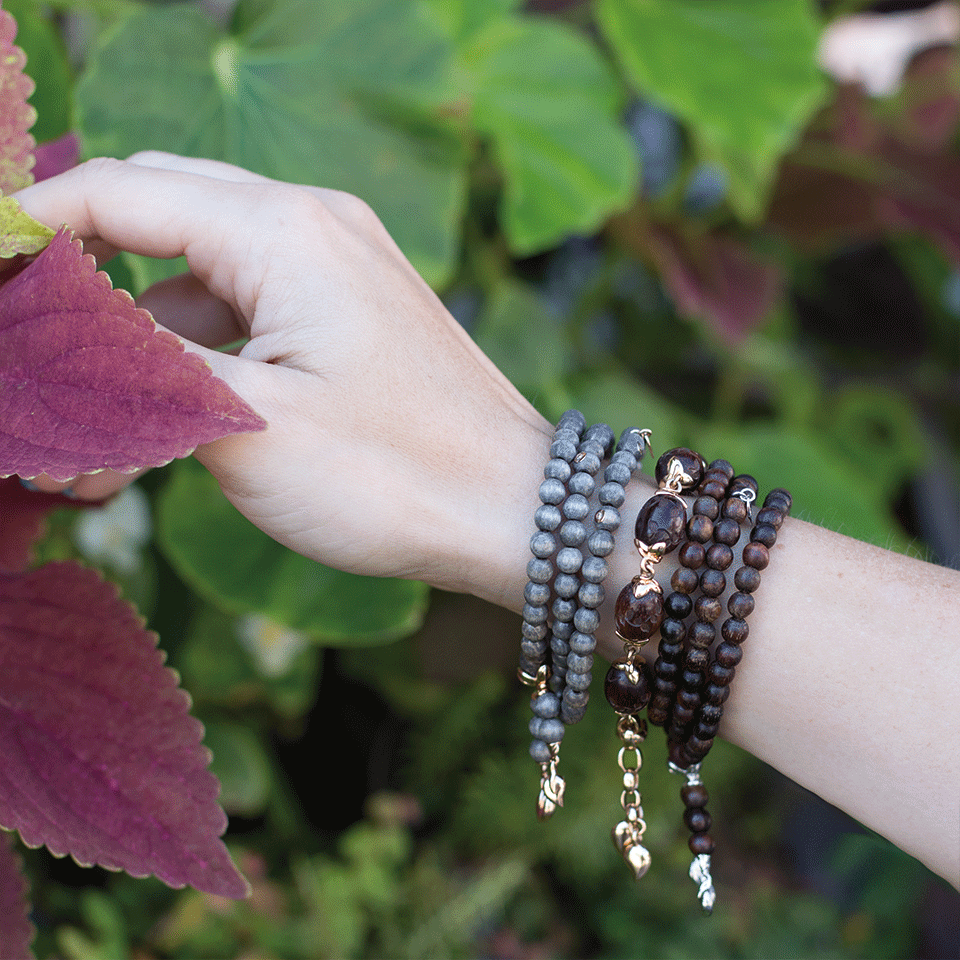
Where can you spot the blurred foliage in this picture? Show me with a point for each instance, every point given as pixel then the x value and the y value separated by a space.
pixel 653 209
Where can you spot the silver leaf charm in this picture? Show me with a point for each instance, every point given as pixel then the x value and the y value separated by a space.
pixel 700 874
pixel 627 841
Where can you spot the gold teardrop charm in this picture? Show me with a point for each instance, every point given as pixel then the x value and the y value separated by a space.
pixel 627 841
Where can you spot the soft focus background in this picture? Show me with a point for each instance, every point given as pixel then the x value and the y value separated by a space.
pixel 737 221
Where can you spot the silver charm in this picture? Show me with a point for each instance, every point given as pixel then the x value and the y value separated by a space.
pixel 700 874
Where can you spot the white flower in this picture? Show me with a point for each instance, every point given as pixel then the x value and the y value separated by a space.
pixel 116 534
pixel 272 646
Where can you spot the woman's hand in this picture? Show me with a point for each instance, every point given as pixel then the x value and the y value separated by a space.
pixel 385 420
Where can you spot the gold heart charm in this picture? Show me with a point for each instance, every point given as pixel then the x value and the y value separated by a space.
pixel 633 852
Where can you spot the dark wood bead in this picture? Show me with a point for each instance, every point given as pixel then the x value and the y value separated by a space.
pixel 764 533
pixel 756 555
pixel 723 467
pixel 705 731
pixel 743 482
pixel 734 630
pixel 627 686
pixel 711 713
pixel 719 556
pixel 726 531
pixel 662 519
pixel 663 688
pixel 712 582
pixel 734 509
pixel 697 819
pixel 700 529
pixel 714 488
pixel 692 463
pixel 692 555
pixel 747 579
pixel 638 618
pixel 740 605
pixel 698 658
pixel 678 605
pixel 696 749
pixel 667 669
pixel 683 715
pixel 691 679
pixel 779 496
pixel 675 753
pixel 708 608
pixel 720 674
pixel 716 693
pixel 701 843
pixel 659 711
pixel 770 515
pixel 706 507
pixel 670 650
pixel 690 699
pixel 685 580
pixel 729 654
pixel 672 630
pixel 701 634
pixel 694 795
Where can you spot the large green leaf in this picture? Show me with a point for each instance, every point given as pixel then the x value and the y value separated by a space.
pixel 741 73
pixel 226 559
pixel 550 106
pixel 339 95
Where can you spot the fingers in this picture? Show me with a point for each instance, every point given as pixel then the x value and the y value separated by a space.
pixel 185 306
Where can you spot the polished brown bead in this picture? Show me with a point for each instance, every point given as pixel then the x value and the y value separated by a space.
pixel 742 482
pixel 756 555
pixel 678 605
pixel 772 516
pixel 779 496
pixel 764 533
pixel 697 749
pixel 684 580
pixel 691 462
pixel 719 556
pixel 740 605
pixel 667 669
pixel 664 688
pixel 638 618
pixel 700 529
pixel 697 819
pixel 705 731
pixel 706 507
pixel 701 634
pixel 711 713
pixel 716 693
pixel 726 531
pixel 694 795
pixel 747 579
pixel 662 519
pixel 672 630
pixel 692 555
pixel 659 710
pixel 675 753
pixel 723 467
pixel 735 630
pixel 698 658
pixel 721 675
pixel 627 691
pixel 689 699
pixel 712 583
pixel 683 715
pixel 708 608
pixel 701 843
pixel 690 679
pixel 670 649
pixel 714 488
pixel 734 509
pixel 729 654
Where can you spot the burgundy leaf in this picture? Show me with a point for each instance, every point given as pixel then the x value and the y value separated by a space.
pixel 88 382
pixel 99 757
pixel 16 931
pixel 56 156
pixel 16 115
pixel 931 99
pixel 22 514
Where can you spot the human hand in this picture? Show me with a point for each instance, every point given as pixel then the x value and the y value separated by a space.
pixel 386 422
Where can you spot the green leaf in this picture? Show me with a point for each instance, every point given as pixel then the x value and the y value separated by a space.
pixel 741 73
pixel 226 559
pixel 241 765
pixel 19 232
pixel 550 106
pixel 339 95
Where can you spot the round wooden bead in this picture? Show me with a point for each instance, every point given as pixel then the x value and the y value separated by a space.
pixel 694 795
pixel 672 631
pixel 756 555
pixel 678 606
pixel 734 509
pixel 692 555
pixel 711 713
pixel 682 715
pixel 764 533
pixel 701 843
pixel 735 630
pixel 697 658
pixel 726 531
pixel 714 488
pixel 662 519
pixel 708 608
pixel 701 634
pixel 781 496
pixel 684 580
pixel 770 515
pixel 700 529
pixel 627 686
pixel 716 693
pixel 638 618
pixel 720 674
pixel 689 699
pixel 740 605
pixel 742 482
pixel 712 582
pixel 692 463
pixel 723 467
pixel 697 819
pixel 747 579
pixel 706 507
pixel 719 556
pixel 729 654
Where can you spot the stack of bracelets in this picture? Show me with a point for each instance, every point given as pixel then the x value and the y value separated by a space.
pixel 685 691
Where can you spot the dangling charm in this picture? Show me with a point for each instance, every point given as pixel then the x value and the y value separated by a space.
pixel 548 731
pixel 695 797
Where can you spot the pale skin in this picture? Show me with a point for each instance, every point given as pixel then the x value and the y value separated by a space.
pixel 396 448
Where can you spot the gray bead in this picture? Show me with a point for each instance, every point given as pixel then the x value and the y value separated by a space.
pixel 601 432
pixel 600 543
pixel 575 507
pixel 579 663
pixel 571 715
pixel 563 630
pixel 592 446
pixel 577 699
pixel 607 518
pixel 533 631
pixel 564 449
pixel 617 472
pixel 557 681
pixel 566 585
pixel 552 491
pixel 560 664
pixel 548 517
pixel 540 751
pixel 542 544
pixel 534 650
pixel 587 461
pixel 582 483
pixel 591 595
pixel 536 593
pixel 572 419
pixel 627 459
pixel 547 705
pixel 569 560
pixel 539 571
pixel 534 614
pixel 552 730
pixel 573 533
pixel 612 493
pixel 557 469
pixel 594 569
pixel 560 648
pixel 579 681
pixel 632 441
pixel 582 644
pixel 534 726
pixel 586 620
pixel 563 610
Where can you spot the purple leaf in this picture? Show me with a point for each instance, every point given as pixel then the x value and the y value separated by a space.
pixel 88 382
pixel 22 515
pixel 56 156
pixel 16 931
pixel 16 115
pixel 99 757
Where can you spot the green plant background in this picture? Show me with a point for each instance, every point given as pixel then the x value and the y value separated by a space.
pixel 369 740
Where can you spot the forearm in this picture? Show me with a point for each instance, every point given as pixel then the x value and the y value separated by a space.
pixel 825 692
